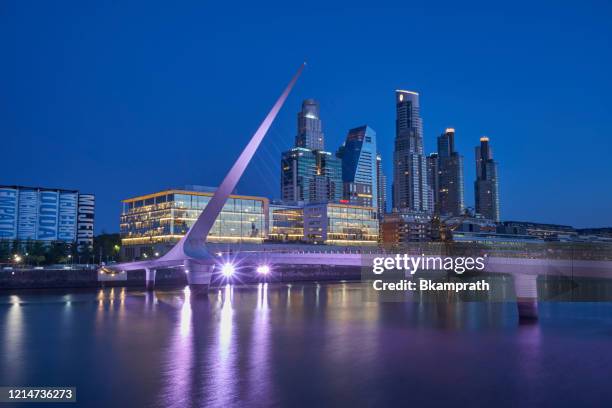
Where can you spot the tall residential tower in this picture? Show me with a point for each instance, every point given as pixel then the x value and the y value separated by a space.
pixel 450 175
pixel 381 184
pixel 410 188
pixel 486 186
pixel 433 177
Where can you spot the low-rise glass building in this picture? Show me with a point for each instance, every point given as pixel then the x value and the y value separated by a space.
pixel 152 220
pixel 286 222
pixel 340 224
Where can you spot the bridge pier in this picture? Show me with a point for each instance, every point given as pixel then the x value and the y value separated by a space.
pixel 150 278
pixel 526 289
pixel 198 277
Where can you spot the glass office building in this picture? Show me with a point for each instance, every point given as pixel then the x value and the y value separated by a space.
pixel 286 222
pixel 308 172
pixel 340 224
pixel 310 129
pixel 166 216
pixel 359 175
pixel 310 176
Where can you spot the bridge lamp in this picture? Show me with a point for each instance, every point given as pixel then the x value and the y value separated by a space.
pixel 227 270
pixel 263 269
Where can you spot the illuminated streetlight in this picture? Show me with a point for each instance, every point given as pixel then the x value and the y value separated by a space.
pixel 263 269
pixel 227 270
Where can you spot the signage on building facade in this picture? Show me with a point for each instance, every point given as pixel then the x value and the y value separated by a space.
pixel 85 222
pixel 47 215
pixel 67 217
pixel 28 214
pixel 8 213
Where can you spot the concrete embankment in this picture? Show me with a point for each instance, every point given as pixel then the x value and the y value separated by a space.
pixel 88 278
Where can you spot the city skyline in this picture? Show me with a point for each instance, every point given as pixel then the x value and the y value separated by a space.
pixel 268 204
pixel 129 113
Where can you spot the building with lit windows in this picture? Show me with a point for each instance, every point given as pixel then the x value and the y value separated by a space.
pixel 486 186
pixel 308 173
pixel 153 223
pixel 309 127
pixel 340 224
pixel 433 176
pixel 449 183
pixel 546 232
pixel 310 176
pixel 285 222
pixel 29 214
pixel 411 191
pixel 406 227
pixel 381 185
pixel 359 177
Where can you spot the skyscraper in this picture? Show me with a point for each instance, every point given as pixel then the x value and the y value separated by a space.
pixel 381 184
pixel 309 128
pixel 432 179
pixel 310 176
pixel 359 177
pixel 450 175
pixel 486 186
pixel 308 173
pixel 410 189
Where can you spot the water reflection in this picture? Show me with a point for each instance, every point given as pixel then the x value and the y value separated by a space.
pixel 180 359
pixel 298 345
pixel 259 380
pixel 225 323
pixel 221 379
pixel 530 343
pixel 14 338
pixel 185 320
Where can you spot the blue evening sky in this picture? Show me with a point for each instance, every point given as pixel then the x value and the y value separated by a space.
pixel 121 98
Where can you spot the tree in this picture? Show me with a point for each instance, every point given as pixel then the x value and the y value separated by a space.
pixel 107 247
pixel 5 251
pixel 57 252
pixel 36 252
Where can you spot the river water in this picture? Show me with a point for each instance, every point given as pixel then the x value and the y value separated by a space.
pixel 302 345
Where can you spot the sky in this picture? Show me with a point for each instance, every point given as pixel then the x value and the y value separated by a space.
pixel 121 98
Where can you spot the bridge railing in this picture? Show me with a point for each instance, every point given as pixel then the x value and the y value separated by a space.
pixel 546 250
